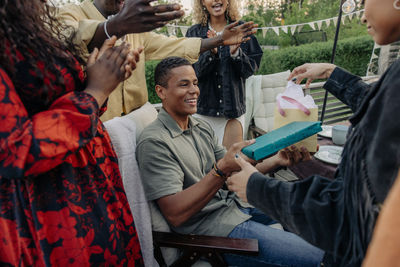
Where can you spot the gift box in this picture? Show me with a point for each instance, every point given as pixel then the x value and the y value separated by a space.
pixel 293 105
pixel 280 138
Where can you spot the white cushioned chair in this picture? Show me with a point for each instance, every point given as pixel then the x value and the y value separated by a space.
pixel 150 224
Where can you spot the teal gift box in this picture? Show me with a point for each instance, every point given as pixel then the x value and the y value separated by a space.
pixel 280 138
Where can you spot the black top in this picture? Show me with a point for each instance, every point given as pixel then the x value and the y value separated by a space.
pixel 339 215
pixel 222 77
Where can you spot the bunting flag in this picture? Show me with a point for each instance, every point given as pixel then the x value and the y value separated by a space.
pixel 184 30
pixel 319 24
pixel 264 31
pixel 293 29
pixel 171 29
pixel 335 21
pixel 327 22
pixel 276 30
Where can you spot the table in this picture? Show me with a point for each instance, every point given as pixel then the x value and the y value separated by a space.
pixel 314 166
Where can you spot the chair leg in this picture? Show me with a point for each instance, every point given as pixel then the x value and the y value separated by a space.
pixel 216 259
pixel 188 258
pixel 158 256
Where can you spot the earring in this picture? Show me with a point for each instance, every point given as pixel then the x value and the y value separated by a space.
pixel 396 4
pixel 204 8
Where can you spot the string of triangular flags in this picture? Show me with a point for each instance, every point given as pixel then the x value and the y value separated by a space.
pixel 318 24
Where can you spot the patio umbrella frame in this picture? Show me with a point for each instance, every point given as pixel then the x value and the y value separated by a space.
pixel 333 56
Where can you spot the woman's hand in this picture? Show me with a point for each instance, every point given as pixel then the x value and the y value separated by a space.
pixel 234 34
pixel 238 182
pixel 234 48
pixel 109 66
pixel 312 71
pixel 212 34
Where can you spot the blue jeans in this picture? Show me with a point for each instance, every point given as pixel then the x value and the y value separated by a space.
pixel 276 247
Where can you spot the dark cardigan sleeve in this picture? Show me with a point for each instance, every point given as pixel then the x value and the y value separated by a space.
pixel 311 208
pixel 349 88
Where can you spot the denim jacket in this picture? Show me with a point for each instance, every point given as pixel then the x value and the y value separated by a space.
pixel 339 215
pixel 222 77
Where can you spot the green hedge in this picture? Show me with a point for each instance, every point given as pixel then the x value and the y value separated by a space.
pixel 352 54
pixel 150 67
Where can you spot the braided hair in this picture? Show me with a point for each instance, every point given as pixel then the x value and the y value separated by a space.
pixel 28 28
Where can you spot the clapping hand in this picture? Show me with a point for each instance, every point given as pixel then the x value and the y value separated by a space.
pixel 212 34
pixel 109 66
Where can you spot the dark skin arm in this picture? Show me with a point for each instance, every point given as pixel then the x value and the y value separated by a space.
pixel 179 207
pixel 136 16
pixel 139 16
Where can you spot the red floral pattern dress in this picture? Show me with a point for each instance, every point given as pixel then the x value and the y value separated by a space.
pixel 62 202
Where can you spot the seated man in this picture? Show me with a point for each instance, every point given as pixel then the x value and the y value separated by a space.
pixel 95 21
pixel 184 169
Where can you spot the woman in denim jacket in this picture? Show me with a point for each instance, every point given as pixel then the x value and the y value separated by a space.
pixel 222 71
pixel 339 215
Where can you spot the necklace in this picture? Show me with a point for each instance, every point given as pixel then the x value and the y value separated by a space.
pixel 211 28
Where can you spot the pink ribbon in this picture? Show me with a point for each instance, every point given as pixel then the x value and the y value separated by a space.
pixel 294 102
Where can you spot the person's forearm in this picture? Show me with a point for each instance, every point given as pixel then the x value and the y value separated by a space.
pixel 100 35
pixel 179 207
pixel 210 43
pixel 268 165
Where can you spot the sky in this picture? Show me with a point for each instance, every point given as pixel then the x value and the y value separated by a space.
pixel 187 4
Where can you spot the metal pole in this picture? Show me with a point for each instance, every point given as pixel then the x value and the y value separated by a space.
pixel 333 56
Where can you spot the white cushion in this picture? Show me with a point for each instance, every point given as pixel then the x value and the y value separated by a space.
pixel 142 117
pixel 271 86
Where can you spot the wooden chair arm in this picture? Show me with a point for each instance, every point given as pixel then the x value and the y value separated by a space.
pixel 203 242
pixel 256 131
pixel 196 246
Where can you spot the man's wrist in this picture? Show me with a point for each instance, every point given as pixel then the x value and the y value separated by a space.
pixel 114 27
pixel 221 166
pixel 220 40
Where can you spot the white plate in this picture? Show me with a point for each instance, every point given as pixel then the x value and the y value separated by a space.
pixel 329 154
pixel 326 131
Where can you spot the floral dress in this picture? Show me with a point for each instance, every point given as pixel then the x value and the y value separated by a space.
pixel 62 202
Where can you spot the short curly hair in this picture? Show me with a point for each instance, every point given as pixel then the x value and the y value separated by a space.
pixel 161 73
pixel 201 16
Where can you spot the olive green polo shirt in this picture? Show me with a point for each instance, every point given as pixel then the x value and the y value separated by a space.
pixel 171 160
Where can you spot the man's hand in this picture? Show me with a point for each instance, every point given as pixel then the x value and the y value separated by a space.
pixel 234 34
pixel 138 16
pixel 288 157
pixel 228 163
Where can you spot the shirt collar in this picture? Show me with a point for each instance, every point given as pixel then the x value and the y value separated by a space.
pixel 172 126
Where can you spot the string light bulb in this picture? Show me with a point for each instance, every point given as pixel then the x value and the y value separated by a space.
pixel 348 6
